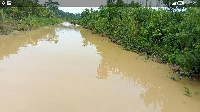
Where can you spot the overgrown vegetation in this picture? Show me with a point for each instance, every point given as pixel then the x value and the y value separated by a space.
pixel 67 15
pixel 27 15
pixel 197 92
pixel 171 37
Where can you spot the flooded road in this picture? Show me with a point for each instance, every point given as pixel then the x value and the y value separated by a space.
pixel 67 69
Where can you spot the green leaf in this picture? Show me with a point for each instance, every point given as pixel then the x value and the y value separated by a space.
pixel 187 90
pixel 173 78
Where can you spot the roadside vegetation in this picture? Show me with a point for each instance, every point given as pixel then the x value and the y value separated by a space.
pixel 28 15
pixel 163 35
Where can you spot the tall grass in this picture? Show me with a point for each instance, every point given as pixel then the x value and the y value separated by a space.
pixel 34 22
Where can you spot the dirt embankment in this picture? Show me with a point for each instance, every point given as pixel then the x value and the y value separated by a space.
pixel 7 26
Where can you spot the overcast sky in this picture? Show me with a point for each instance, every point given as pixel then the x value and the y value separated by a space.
pixel 77 6
pixel 78 3
pixel 97 3
pixel 76 9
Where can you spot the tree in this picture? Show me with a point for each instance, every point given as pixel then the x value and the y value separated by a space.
pixel 110 3
pixel 120 3
pixel 195 3
pixel 169 3
pixel 133 4
pixel 85 13
pixel 52 5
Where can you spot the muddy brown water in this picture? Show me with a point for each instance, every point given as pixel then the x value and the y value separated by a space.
pixel 67 69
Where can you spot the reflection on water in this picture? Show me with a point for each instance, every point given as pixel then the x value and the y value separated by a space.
pixel 156 89
pixel 74 70
pixel 11 44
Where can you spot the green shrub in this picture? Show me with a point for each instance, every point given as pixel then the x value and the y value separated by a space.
pixel 173 37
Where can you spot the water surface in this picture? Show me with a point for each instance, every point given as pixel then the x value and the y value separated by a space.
pixel 67 69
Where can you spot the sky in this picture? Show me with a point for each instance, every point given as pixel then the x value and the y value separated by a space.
pixel 97 3
pixel 77 6
pixel 78 3
pixel 76 9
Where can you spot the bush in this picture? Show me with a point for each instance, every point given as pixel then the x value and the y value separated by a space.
pixel 34 22
pixel 172 37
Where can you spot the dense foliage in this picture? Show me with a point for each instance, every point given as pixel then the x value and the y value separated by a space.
pixel 172 37
pixel 27 15
pixel 67 15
